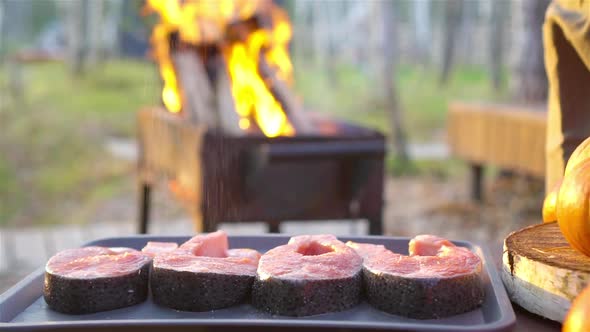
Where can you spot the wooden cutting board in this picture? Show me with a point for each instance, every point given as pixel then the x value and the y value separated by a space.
pixel 541 272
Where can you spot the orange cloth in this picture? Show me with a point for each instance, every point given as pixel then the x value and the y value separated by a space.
pixel 566 38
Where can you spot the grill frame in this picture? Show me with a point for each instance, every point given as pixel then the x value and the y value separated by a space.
pixel 336 175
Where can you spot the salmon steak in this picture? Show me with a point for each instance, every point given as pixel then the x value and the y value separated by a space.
pixel 310 275
pixel 437 279
pixel 93 279
pixel 203 274
pixel 155 248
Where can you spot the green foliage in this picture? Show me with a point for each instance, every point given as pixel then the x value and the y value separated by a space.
pixel 107 95
pixel 52 142
pixel 439 168
pixel 351 95
pixel 9 193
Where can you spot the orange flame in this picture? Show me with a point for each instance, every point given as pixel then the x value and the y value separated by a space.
pixel 206 21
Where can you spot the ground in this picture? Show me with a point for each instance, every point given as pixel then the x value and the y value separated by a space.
pixel 413 205
pixel 418 205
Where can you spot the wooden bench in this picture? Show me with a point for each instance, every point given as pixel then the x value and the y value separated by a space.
pixel 505 136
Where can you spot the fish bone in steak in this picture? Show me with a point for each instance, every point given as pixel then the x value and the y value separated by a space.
pixel 437 279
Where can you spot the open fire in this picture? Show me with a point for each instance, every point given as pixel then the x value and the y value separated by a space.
pixel 227 25
pixel 233 141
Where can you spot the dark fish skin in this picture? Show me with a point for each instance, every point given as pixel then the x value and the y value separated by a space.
pixel 297 298
pixel 192 291
pixel 84 296
pixel 423 298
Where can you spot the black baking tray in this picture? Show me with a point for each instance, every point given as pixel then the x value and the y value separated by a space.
pixel 22 307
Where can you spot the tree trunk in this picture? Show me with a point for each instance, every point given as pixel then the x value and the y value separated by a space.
pixel 75 17
pixel 453 14
pixel 423 30
pixel 18 22
pixel 1 29
pixel 530 79
pixel 332 9
pixel 465 37
pixel 306 37
pixel 372 54
pixel 496 41
pixel 299 30
pixel 94 14
pixel 319 34
pixel 391 98
pixel 113 17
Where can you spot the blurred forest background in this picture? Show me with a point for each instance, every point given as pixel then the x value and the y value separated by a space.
pixel 74 73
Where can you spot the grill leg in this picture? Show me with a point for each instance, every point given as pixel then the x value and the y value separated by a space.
pixel 273 226
pixel 376 225
pixel 476 182
pixel 199 223
pixel 144 207
pixel 209 226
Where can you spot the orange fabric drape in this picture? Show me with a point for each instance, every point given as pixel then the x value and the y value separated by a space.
pixel 566 38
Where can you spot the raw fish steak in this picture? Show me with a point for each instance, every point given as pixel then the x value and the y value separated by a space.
pixel 437 279
pixel 203 274
pixel 92 279
pixel 155 248
pixel 310 275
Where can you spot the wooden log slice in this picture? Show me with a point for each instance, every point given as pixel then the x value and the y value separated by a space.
pixel 197 94
pixel 291 106
pixel 229 119
pixel 541 272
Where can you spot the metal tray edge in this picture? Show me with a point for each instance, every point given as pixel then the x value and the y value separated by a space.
pixel 507 316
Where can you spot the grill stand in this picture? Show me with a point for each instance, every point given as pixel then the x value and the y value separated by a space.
pixel 338 175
